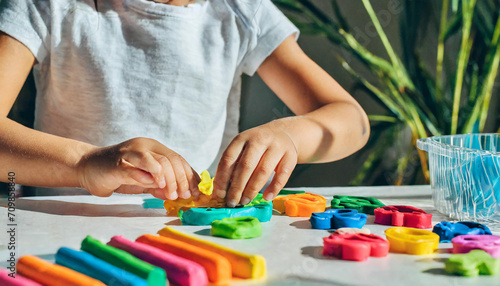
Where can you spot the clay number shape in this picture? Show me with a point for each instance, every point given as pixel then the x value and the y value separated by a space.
pixel 411 240
pixel 448 230
pixel 403 216
pixel 300 205
pixel 362 204
pixel 356 247
pixel 488 243
pixel 337 218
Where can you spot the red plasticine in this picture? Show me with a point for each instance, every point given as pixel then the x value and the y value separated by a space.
pixel 357 246
pixel 403 216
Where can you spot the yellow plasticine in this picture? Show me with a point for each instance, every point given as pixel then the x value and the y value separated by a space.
pixel 243 265
pixel 203 201
pixel 411 240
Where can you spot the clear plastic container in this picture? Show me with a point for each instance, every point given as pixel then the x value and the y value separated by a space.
pixel 465 176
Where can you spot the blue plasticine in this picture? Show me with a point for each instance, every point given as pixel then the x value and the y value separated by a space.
pixel 94 267
pixel 153 203
pixel 337 218
pixel 205 216
pixel 448 230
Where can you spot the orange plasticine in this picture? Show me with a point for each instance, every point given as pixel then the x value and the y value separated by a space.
pixel 300 205
pixel 47 273
pixel 218 267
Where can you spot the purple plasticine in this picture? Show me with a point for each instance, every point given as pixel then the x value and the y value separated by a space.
pixel 179 270
pixel 488 243
pixel 6 280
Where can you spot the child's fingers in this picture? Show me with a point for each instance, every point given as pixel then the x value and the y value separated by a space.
pixel 157 193
pixel 245 167
pixel 146 162
pixel 168 174
pixel 283 172
pixel 193 179
pixel 261 174
pixel 226 166
pixel 130 175
pixel 180 176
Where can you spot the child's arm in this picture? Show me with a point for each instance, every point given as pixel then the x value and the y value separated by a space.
pixel 40 159
pixel 329 126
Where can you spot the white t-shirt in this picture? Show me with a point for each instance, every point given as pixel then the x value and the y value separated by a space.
pixel 136 68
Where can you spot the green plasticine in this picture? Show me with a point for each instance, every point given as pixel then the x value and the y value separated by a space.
pixel 237 227
pixel 258 207
pixel 476 262
pixel 154 276
pixel 290 192
pixel 362 204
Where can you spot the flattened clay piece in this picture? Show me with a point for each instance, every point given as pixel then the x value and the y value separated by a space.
pixel 152 203
pixel 466 243
pixel 411 240
pixel 217 267
pixel 258 208
pixel 154 276
pixel 448 230
pixel 356 247
pixel 237 227
pixel 403 216
pixel 47 273
pixel 476 262
pixel 17 280
pixel 300 205
pixel 94 267
pixel 362 204
pixel 351 230
pixel 290 192
pixel 337 218
pixel 180 271
pixel 243 265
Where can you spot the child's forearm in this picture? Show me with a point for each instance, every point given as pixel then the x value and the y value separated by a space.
pixel 37 158
pixel 327 134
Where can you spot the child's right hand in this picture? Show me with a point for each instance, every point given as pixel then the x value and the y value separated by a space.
pixel 139 165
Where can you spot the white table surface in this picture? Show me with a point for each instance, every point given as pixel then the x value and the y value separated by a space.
pixel 291 248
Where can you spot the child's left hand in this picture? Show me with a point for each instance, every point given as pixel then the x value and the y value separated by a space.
pixel 249 161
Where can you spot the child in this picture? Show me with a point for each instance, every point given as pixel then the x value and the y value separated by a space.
pixel 137 96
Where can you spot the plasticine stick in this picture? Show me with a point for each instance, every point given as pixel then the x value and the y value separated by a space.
pixel 92 266
pixel 50 274
pixel 17 280
pixel 217 267
pixel 243 265
pixel 154 276
pixel 180 271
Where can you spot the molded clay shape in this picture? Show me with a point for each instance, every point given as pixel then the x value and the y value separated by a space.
pixel 237 227
pixel 466 243
pixel 362 204
pixel 154 276
pixel 476 262
pixel 258 208
pixel 94 267
pixel 47 273
pixel 247 266
pixel 351 230
pixel 403 216
pixel 18 280
pixel 448 230
pixel 357 247
pixel 204 200
pixel 180 271
pixel 300 205
pixel 290 192
pixel 337 218
pixel 217 267
pixel 411 240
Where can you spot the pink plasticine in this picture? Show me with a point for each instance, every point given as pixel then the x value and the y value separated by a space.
pixel 5 280
pixel 179 270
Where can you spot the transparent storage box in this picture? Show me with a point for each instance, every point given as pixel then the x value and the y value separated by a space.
pixel 465 176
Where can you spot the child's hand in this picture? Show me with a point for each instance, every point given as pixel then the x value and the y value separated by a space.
pixel 139 165
pixel 249 161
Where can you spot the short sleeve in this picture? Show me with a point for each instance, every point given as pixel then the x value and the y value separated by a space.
pixel 23 20
pixel 270 27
